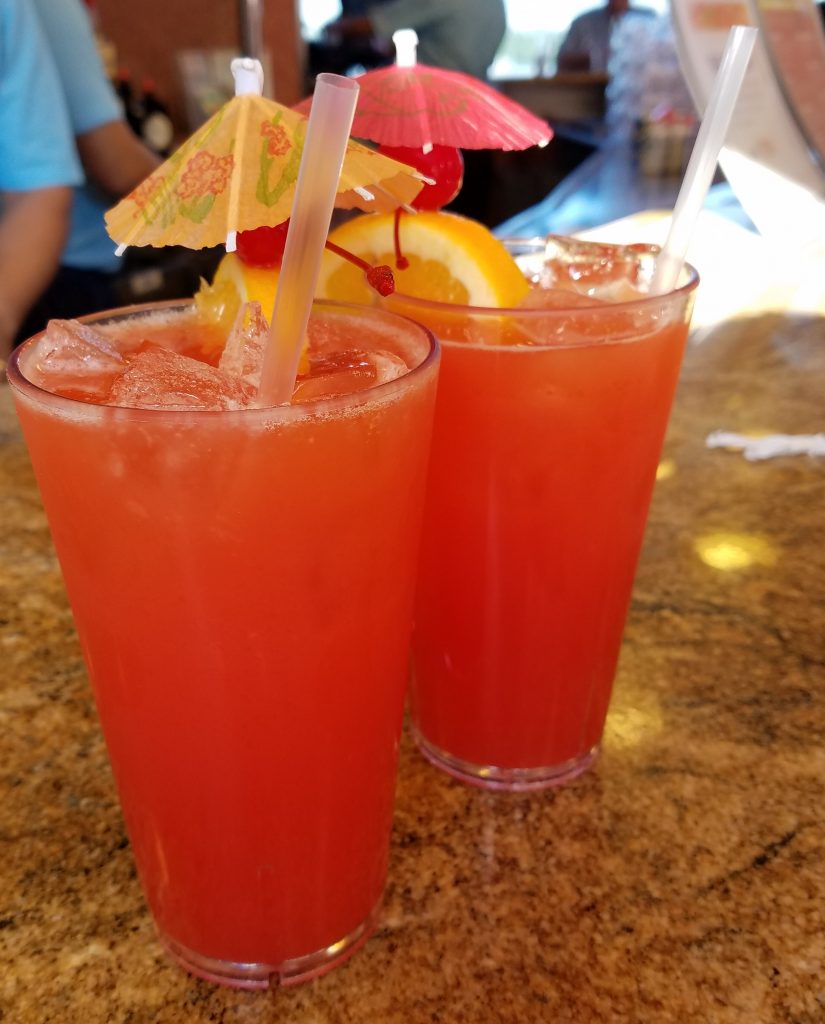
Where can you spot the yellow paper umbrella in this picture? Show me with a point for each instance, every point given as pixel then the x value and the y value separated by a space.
pixel 238 172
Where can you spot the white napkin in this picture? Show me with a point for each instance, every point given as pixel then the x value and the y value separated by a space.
pixel 756 448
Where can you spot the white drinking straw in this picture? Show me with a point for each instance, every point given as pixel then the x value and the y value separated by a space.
pixel 330 121
pixel 704 157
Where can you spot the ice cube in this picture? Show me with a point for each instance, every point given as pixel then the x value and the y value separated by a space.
pixel 388 366
pixel 576 319
pixel 243 354
pixel 74 359
pixel 159 379
pixel 556 298
pixel 343 373
pixel 588 266
pixel 618 291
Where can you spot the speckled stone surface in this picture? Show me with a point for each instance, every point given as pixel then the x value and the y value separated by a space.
pixel 681 880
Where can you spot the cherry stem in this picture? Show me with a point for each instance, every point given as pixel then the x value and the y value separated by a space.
pixel 356 260
pixel 401 261
pixel 379 278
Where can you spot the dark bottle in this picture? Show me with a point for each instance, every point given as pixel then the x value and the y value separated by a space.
pixel 157 130
pixel 130 103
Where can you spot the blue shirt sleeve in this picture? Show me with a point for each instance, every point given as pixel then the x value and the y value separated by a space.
pixel 89 94
pixel 36 141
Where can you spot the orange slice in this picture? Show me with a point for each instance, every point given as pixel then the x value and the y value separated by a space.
pixel 234 284
pixel 451 259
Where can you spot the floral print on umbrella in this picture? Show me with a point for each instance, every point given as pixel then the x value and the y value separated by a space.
pixel 238 172
pixel 147 197
pixel 275 146
pixel 204 177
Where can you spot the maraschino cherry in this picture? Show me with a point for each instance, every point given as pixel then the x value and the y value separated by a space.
pixel 264 247
pixel 443 163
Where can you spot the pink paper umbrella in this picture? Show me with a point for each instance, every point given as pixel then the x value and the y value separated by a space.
pixel 423 116
pixel 415 105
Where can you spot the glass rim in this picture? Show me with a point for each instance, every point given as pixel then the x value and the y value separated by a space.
pixel 317 407
pixel 418 309
pixel 681 291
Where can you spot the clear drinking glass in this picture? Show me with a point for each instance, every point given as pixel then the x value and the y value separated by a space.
pixel 549 425
pixel 242 584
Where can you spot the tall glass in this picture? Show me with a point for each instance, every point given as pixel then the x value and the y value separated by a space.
pixel 548 430
pixel 242 584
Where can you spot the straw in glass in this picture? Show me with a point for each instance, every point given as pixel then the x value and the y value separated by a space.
pixel 703 159
pixel 330 121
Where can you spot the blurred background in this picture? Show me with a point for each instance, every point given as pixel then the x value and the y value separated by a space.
pixel 159 57
pixel 622 132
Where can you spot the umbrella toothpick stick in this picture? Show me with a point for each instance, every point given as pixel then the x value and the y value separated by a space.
pixel 249 80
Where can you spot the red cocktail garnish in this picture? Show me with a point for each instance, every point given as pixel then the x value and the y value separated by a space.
pixel 443 163
pixel 380 278
pixel 264 247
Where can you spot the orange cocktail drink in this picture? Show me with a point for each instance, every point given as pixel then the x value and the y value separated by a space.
pixel 549 425
pixel 242 582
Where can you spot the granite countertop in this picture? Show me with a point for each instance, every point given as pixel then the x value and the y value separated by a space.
pixel 681 880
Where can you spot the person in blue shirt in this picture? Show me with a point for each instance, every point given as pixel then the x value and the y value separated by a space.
pixel 113 159
pixel 339 52
pixel 586 47
pixel 461 35
pixel 38 166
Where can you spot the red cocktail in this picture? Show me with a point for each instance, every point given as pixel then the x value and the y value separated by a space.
pixel 242 583
pixel 549 425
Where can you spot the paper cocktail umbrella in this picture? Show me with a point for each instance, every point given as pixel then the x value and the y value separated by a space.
pixel 238 172
pixel 424 115
pixel 411 104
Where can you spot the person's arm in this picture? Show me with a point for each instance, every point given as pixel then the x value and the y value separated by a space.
pixel 38 164
pixel 114 158
pixel 33 229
